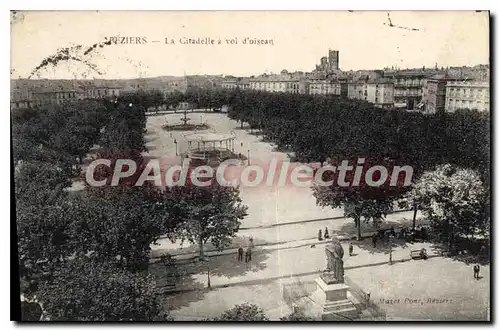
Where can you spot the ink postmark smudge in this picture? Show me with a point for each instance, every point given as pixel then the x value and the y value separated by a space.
pixel 73 53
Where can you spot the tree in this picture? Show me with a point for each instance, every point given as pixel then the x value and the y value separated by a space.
pixel 43 238
pixel 157 99
pixel 37 183
pixel 61 132
pixel 174 98
pixel 361 202
pixel 88 290
pixel 123 136
pixel 120 226
pixel 455 201
pixel 244 312
pixel 206 213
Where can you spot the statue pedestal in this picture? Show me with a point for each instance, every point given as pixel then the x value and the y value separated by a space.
pixel 332 297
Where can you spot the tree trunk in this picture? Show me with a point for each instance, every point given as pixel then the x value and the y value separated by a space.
pixel 357 221
pixel 202 253
pixel 450 236
pixel 415 209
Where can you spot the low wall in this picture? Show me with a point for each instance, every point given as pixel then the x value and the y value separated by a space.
pixel 365 300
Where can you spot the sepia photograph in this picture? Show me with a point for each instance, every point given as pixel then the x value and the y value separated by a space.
pixel 250 166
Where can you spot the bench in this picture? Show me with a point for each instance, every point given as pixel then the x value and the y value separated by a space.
pixel 418 254
pixel 415 254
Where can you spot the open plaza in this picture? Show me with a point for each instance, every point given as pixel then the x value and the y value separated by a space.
pixel 283 224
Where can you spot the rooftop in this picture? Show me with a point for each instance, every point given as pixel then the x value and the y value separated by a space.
pixel 469 83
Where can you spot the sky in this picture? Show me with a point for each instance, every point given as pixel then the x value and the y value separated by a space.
pixel 300 39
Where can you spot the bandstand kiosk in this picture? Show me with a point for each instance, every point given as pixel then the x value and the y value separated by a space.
pixel 209 148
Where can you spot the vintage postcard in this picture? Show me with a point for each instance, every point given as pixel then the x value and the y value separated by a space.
pixel 251 166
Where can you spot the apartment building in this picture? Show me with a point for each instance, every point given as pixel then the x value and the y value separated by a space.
pixel 467 95
pixel 434 93
pixel 56 96
pixel 378 91
pixel 409 86
pixel 278 83
pixel 233 82
pixel 324 86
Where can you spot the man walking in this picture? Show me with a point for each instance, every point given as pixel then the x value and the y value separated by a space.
pixel 351 248
pixel 248 255
pixel 476 271
pixel 240 254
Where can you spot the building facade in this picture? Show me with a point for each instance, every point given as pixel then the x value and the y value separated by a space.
pixel 229 83
pixel 434 94
pixel 278 83
pixel 243 84
pixel 409 86
pixel 380 92
pixel 50 96
pixel 324 86
pixel 21 97
pixel 467 95
pixel 233 82
pixel 94 92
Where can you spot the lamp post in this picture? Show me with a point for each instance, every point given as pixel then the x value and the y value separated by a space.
pixel 175 142
pixel 248 153
pixel 208 275
pixel 390 250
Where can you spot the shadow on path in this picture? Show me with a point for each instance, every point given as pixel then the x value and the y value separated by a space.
pixel 183 276
pixel 240 241
pixel 382 246
pixel 466 252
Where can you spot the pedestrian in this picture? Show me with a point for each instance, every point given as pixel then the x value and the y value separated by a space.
pixel 351 248
pixel 240 254
pixel 326 233
pixel 320 236
pixel 248 255
pixel 476 271
pixel 252 245
pixel 374 241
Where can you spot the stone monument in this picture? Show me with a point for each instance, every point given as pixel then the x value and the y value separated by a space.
pixel 332 293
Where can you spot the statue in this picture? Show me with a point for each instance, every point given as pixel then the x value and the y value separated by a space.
pixel 334 264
